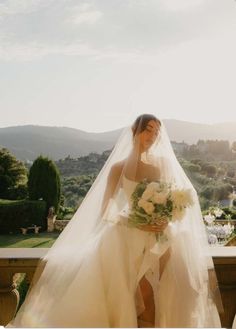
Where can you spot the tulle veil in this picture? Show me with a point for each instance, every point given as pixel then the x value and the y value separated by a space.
pixel 189 276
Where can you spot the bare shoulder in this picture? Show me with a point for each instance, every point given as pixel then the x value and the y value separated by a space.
pixel 116 169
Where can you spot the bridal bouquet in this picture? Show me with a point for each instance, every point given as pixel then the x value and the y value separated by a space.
pixel 157 201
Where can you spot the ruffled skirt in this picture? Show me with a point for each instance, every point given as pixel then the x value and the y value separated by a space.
pixel 98 285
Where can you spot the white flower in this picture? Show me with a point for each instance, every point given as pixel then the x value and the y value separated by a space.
pixel 221 231
pixel 209 218
pixel 228 229
pixel 182 198
pixel 160 197
pixel 147 194
pixel 141 202
pixel 154 186
pixel 151 189
pixel 218 212
pixel 212 239
pixel 147 206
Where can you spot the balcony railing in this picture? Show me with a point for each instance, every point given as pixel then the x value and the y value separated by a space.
pixel 24 260
pixel 12 261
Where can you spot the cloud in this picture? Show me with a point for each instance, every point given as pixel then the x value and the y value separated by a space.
pixel 33 51
pixel 120 30
pixel 87 17
pixel 16 7
pixel 182 5
pixel 85 14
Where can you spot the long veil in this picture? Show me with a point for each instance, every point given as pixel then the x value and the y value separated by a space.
pixel 187 276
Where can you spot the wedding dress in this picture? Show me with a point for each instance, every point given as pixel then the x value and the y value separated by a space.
pixel 234 323
pixel 90 277
pixel 103 292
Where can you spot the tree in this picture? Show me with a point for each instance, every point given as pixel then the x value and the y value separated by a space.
pixel 44 182
pixel 231 173
pixel 13 175
pixel 210 170
pixel 208 192
pixel 193 167
pixel 220 172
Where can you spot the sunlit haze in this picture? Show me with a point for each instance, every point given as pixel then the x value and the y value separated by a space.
pixel 95 65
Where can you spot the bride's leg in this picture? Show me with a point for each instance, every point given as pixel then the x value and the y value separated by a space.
pixel 147 317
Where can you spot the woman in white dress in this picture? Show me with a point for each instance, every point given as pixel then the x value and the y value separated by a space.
pixel 103 273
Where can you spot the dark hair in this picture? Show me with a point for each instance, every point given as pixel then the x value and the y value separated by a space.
pixel 141 122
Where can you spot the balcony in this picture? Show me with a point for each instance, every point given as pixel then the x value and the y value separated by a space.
pixel 24 260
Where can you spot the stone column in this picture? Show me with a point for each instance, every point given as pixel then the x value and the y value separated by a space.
pixel 51 219
pixel 16 260
pixel 9 297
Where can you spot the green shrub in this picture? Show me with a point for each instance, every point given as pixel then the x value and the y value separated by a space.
pixel 19 192
pixel 193 167
pixel 229 211
pixel 12 173
pixel 65 212
pixel 204 203
pixel 22 286
pixel 216 191
pixel 22 213
pixel 208 192
pixel 210 170
pixel 44 182
pixel 201 179
pixel 231 173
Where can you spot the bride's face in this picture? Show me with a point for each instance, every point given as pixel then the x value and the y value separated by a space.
pixel 148 136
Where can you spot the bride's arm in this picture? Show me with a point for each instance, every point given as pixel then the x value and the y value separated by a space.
pixel 113 182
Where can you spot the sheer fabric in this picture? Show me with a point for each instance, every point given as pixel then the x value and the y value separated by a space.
pixel 234 323
pixel 90 277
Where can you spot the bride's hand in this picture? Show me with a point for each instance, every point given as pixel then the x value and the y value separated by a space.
pixel 153 227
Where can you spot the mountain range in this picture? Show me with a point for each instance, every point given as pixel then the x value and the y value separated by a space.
pixel 29 141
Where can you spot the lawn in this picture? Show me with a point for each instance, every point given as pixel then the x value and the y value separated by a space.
pixel 30 240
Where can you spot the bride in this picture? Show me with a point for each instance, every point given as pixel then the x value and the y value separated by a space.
pixel 101 272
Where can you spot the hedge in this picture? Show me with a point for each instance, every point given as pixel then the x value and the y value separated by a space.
pixel 21 213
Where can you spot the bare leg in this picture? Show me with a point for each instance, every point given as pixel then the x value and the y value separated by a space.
pixel 147 318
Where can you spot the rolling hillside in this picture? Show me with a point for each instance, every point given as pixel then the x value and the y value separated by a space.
pixel 27 142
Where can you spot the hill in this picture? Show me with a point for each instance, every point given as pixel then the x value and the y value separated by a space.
pixel 27 142
pixel 191 132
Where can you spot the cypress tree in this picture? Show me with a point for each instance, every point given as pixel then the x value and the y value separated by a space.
pixel 44 182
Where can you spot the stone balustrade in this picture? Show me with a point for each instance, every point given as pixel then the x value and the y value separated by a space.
pixel 15 260
pixel 25 260
pixel 225 265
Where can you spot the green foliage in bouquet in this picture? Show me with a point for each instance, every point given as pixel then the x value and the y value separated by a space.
pixel 138 213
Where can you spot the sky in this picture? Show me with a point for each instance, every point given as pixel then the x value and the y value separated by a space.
pixel 95 65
